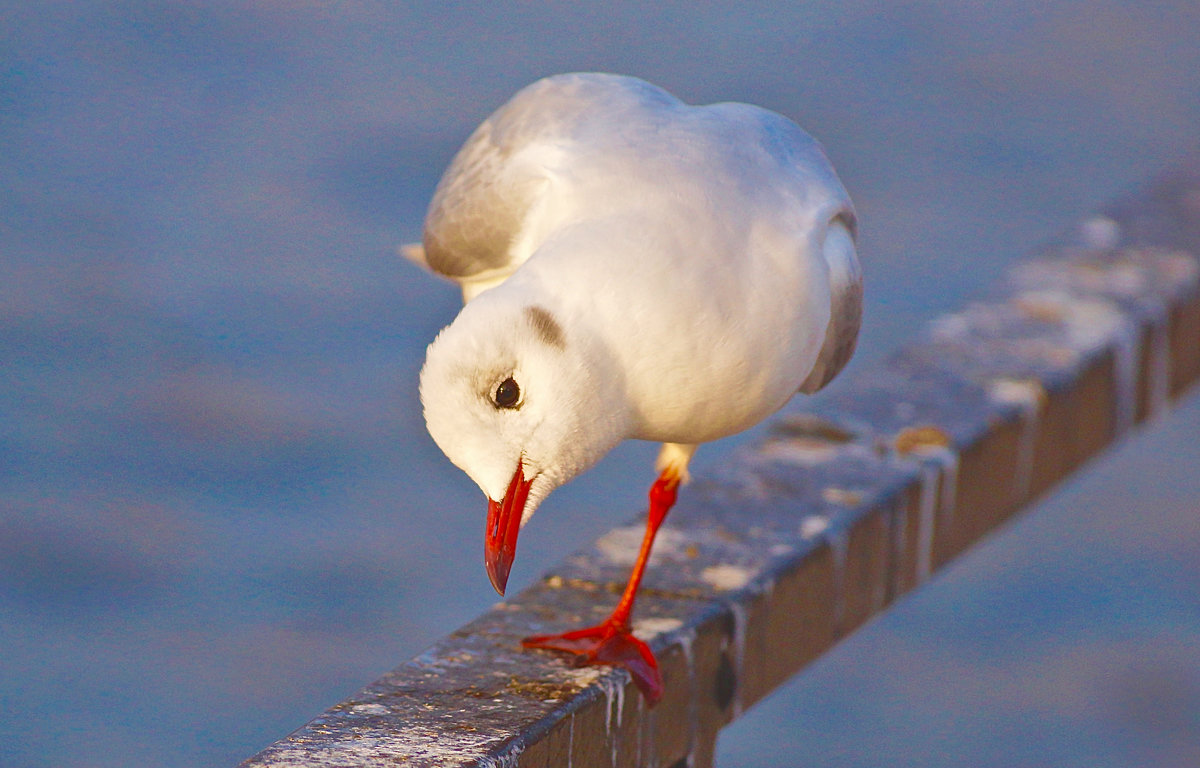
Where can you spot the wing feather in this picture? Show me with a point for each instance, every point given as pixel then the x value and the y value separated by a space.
pixel 846 300
pixel 494 184
pixel 479 207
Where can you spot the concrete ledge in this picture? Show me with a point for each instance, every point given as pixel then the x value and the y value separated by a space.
pixel 802 537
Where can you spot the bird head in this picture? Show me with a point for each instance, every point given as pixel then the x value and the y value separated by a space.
pixel 522 406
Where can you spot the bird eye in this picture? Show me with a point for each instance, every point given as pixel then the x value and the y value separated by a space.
pixel 508 394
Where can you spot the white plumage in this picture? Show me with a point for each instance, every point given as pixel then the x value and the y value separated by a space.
pixel 635 268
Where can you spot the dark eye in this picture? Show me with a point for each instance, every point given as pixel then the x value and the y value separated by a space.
pixel 508 394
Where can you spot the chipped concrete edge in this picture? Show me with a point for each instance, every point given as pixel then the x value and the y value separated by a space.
pixel 804 536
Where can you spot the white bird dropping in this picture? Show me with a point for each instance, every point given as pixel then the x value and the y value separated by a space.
pixel 633 267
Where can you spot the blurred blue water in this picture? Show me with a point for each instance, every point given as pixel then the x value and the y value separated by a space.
pixel 219 509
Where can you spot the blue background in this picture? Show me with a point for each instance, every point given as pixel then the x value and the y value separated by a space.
pixel 219 510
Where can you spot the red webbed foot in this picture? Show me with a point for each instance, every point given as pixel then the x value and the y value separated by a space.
pixel 611 644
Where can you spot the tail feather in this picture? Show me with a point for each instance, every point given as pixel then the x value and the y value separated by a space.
pixel 415 252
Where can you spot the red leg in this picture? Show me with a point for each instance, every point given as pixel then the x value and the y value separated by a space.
pixel 611 642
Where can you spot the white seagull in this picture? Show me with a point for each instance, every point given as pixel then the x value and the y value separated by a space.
pixel 632 267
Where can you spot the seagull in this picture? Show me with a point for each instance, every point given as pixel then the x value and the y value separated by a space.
pixel 632 267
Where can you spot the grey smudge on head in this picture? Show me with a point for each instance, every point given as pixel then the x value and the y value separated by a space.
pixel 548 329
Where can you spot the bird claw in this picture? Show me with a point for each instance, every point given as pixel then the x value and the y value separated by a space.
pixel 608 644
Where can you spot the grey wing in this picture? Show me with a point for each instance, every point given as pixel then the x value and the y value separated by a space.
pixel 496 180
pixel 479 208
pixel 846 295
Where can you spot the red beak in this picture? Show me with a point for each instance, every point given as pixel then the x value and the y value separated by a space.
pixel 503 525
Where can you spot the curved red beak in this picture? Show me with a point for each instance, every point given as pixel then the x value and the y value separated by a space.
pixel 503 525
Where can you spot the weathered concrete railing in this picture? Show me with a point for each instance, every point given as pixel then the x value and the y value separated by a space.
pixel 825 522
